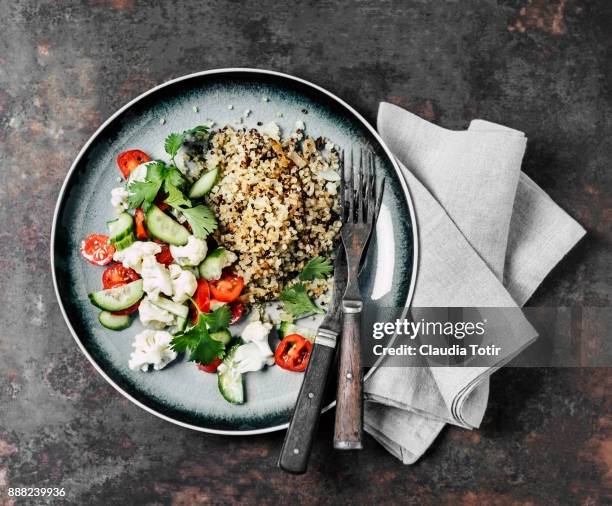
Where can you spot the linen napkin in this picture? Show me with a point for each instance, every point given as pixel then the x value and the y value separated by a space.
pixel 488 235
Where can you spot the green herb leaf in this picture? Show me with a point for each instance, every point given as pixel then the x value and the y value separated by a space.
pixel 219 319
pixel 201 219
pixel 173 143
pixel 203 348
pixel 317 268
pixel 175 196
pixel 297 302
pixel 143 193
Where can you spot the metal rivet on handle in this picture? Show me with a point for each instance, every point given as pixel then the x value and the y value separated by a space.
pixel 296 450
pixel 310 395
pixel 349 375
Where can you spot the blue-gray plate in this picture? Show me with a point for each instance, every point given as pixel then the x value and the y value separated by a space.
pixel 180 393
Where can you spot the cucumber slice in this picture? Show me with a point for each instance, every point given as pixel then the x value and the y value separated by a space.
pixel 179 310
pixel 118 298
pixel 125 242
pixel 164 228
pixel 181 323
pixel 230 380
pixel 222 336
pixel 214 263
pixel 120 227
pixel 203 185
pixel 114 321
pixel 287 328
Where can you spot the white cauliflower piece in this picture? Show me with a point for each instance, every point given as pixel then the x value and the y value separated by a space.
pixel 191 254
pixel 119 199
pixel 184 283
pixel 256 352
pixel 151 348
pixel 132 256
pixel 154 316
pixel 155 278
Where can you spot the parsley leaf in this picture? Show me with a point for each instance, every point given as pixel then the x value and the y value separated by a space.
pixel 201 219
pixel 172 144
pixel 143 193
pixel 297 302
pixel 203 348
pixel 317 268
pixel 175 196
pixel 219 319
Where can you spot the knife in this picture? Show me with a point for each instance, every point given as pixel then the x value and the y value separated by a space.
pixel 302 428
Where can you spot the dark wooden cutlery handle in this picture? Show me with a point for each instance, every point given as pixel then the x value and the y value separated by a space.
pixel 349 401
pixel 300 434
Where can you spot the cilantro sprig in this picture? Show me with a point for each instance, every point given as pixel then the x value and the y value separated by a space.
pixel 174 141
pixel 317 268
pixel 201 219
pixel 142 193
pixel 297 302
pixel 197 341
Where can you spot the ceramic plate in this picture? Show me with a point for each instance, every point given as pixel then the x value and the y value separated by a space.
pixel 180 393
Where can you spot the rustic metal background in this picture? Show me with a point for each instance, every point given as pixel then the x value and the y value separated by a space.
pixel 541 67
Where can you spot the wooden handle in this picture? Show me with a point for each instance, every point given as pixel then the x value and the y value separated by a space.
pixel 349 401
pixel 300 434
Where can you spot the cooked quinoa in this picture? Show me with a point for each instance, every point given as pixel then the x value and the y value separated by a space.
pixel 276 204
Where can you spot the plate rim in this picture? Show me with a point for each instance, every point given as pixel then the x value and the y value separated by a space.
pixel 109 120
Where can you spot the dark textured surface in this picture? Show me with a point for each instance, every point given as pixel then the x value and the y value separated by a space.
pixel 543 68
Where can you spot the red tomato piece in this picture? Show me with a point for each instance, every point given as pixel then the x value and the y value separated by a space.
pixel 96 250
pixel 228 288
pixel 201 298
pixel 117 275
pixel 164 256
pixel 237 309
pixel 293 353
pixel 139 220
pixel 129 160
pixel 212 367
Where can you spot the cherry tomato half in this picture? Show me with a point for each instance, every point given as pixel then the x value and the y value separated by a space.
pixel 212 367
pixel 237 309
pixel 117 275
pixel 201 298
pixel 96 250
pixel 129 160
pixel 139 220
pixel 293 353
pixel 164 256
pixel 227 288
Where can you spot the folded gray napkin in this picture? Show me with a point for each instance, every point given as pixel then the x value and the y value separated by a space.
pixel 488 235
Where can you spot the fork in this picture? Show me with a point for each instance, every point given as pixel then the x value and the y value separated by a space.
pixel 360 203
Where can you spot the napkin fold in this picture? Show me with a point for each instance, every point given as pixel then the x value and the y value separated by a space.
pixel 488 235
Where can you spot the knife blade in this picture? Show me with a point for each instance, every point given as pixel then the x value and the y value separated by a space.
pixel 302 428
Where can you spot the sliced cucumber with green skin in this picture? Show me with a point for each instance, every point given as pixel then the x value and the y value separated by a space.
pixel 224 336
pixel 212 266
pixel 181 323
pixel 119 228
pixel 114 321
pixel 203 185
pixel 164 228
pixel 118 298
pixel 175 308
pixel 128 240
pixel 287 328
pixel 230 380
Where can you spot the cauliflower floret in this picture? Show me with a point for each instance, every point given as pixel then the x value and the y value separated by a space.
pixel 119 199
pixel 131 257
pixel 154 316
pixel 184 283
pixel 151 347
pixel 191 254
pixel 256 352
pixel 155 278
